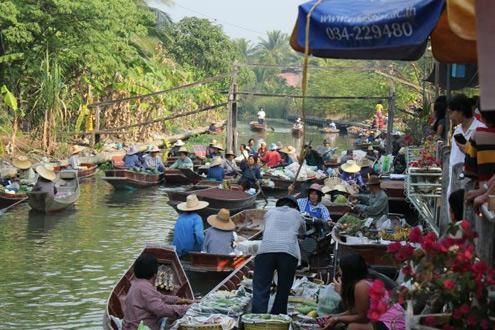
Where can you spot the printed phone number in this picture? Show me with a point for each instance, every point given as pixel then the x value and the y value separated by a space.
pixel 372 32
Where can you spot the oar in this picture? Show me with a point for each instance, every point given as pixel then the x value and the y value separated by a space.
pixel 254 176
pixel 2 211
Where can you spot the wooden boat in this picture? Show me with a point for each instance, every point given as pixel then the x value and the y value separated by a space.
pixel 338 210
pixel 362 146
pixel 233 200
pixel 297 131
pixel 125 179
pixel 329 130
pixel 9 199
pixel 249 225
pixel 234 279
pixel 395 189
pixel 281 184
pixel 181 176
pixel 82 174
pixel 257 127
pixel 167 258
pixel 68 192
pixel 197 162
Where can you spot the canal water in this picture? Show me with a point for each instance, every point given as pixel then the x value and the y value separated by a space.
pixel 58 270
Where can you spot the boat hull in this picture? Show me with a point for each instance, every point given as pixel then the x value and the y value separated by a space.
pixel 9 199
pixel 82 174
pixel 181 177
pixel 129 180
pixel 257 127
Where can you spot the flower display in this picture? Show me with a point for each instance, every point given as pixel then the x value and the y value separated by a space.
pixel 442 275
pixel 426 155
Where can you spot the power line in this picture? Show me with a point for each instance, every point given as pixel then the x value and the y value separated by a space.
pixel 220 20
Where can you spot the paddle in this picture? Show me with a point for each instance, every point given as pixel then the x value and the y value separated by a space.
pixel 257 183
pixel 2 211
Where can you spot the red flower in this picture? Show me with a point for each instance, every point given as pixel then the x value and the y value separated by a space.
pixel 415 236
pixel 461 311
pixel 405 252
pixel 429 321
pixel 465 225
pixel 485 324
pixel 394 247
pixel 429 241
pixel 407 270
pixel 472 320
pixel 449 284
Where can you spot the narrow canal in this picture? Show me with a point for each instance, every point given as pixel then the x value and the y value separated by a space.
pixel 58 269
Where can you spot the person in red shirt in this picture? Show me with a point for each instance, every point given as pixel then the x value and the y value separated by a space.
pixel 262 150
pixel 272 158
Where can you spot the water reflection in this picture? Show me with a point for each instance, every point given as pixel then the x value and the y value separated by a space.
pixel 40 224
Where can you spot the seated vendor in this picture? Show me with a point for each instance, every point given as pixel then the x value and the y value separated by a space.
pixel 174 152
pixel 287 155
pixel 229 165
pixel 132 160
pixel 350 173
pixel 375 204
pixel 325 150
pixel 145 303
pixel 272 158
pixel 46 181
pixel 349 155
pixel 219 238
pixel 184 162
pixel 313 158
pixel 188 230
pixel 25 171
pixel 250 173
pixel 152 161
pixel 216 171
pixel 311 205
pixel 214 150
pixel 74 161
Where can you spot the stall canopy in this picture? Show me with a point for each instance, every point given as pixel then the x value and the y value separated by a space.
pixel 367 29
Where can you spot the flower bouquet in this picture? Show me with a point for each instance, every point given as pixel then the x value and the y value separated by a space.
pixel 442 276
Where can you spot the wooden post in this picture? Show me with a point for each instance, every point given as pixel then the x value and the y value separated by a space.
pixel 235 134
pixel 96 128
pixel 390 122
pixel 231 140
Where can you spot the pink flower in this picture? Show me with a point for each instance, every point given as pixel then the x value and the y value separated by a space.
pixel 415 236
pixel 449 284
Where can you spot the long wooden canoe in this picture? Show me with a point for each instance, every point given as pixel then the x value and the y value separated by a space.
pixel 125 179
pixel 233 200
pixel 181 176
pixel 257 127
pixel 234 279
pixel 249 225
pixel 88 172
pixel 168 259
pixel 9 199
pixel 68 192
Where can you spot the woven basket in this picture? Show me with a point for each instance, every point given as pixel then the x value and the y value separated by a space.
pixel 265 324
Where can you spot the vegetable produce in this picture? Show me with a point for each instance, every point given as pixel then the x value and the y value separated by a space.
pixel 340 199
pixel 399 234
pixel 350 224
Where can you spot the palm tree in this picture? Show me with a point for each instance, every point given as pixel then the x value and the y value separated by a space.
pixel 245 49
pixel 274 48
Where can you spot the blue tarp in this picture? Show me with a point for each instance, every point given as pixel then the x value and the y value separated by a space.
pixel 368 29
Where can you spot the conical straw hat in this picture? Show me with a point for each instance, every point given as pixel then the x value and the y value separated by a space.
pixel 46 173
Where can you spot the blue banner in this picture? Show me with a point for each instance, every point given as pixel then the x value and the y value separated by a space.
pixel 369 29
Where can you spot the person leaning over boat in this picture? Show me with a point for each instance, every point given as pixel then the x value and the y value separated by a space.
pixel 132 160
pixel 250 173
pixel 229 165
pixel 45 183
pixel 184 162
pixel 375 204
pixel 25 172
pixel 272 158
pixel 350 173
pixel 74 161
pixel 188 231
pixel 216 171
pixel 152 161
pixel 219 238
pixel 144 302
pixel 311 205
pixel 279 251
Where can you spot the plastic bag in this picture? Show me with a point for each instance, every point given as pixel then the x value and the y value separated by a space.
pixel 328 300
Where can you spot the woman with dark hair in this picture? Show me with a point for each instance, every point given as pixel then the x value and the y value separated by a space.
pixel 145 303
pixel 439 113
pixel 353 282
pixel 250 173
pixel 278 251
pixel 311 205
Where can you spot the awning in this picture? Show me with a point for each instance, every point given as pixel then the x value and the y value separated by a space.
pixel 361 29
pixel 462 20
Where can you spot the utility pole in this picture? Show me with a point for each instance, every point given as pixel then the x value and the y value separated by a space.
pixel 231 136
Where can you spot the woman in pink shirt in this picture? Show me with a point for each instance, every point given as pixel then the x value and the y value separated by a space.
pixel 145 303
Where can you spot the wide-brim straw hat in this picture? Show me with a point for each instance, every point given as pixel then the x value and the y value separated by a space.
pixel 46 173
pixel 231 153
pixel 192 203
pixel 316 187
pixel 365 162
pixel 288 150
pixel 221 220
pixel 22 163
pixel 216 161
pixel 213 142
pixel 153 149
pixel 179 143
pixel 132 151
pixel 218 146
pixel 339 188
pixel 76 150
pixel 183 150
pixel 350 167
pixel 373 180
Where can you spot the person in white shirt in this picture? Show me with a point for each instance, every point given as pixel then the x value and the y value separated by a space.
pixel 461 113
pixel 261 116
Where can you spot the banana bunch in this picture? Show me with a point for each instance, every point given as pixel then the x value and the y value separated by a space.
pixel 399 234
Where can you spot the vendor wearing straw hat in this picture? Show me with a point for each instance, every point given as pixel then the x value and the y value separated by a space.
pixel 46 178
pixel 25 171
pixel 184 162
pixel 152 161
pixel 74 161
pixel 220 237
pixel 214 150
pixel 174 151
pixel 132 160
pixel 216 171
pixel 188 231
pixel 229 165
pixel 350 173
pixel 374 204
pixel 311 205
